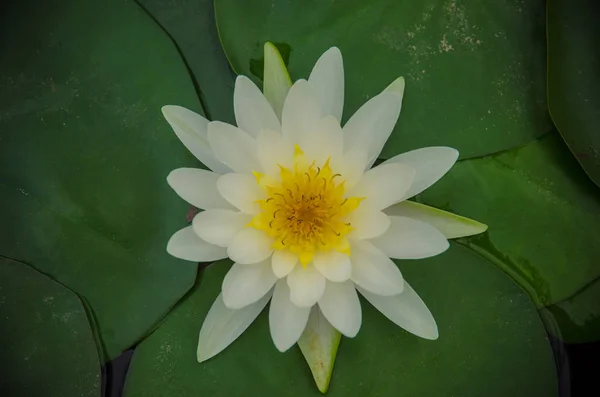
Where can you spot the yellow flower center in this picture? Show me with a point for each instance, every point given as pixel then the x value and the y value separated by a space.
pixel 306 211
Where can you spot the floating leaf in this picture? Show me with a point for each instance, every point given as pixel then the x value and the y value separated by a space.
pixel 191 25
pixel 48 347
pixel 475 71
pixel 574 78
pixel 84 156
pixel 542 212
pixel 489 333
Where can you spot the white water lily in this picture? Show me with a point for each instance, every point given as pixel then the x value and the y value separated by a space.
pixel 293 201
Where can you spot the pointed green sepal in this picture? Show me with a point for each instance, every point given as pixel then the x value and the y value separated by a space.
pixel 451 225
pixel 319 344
pixel 277 80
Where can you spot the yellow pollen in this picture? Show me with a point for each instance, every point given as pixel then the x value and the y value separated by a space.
pixel 305 210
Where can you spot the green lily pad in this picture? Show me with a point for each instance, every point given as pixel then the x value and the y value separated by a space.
pixel 492 342
pixel 542 214
pixel 48 348
pixel 475 71
pixel 84 156
pixel 578 317
pixel 574 77
pixel 191 25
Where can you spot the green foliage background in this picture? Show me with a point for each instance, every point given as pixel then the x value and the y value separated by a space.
pixel 86 212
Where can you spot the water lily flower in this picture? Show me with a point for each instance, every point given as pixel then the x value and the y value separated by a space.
pixel 292 199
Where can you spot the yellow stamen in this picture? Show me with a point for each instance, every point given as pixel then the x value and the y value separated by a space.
pixel 306 211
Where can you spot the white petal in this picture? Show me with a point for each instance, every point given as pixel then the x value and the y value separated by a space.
pixel 250 246
pixel 341 307
pixel 327 80
pixel 277 82
pixel 325 142
pixel 245 284
pixel 319 345
pixel 396 87
pixel 242 191
pixel 185 244
pixel 411 239
pixel 222 326
pixel 372 124
pixel 383 185
pixel 191 129
pixel 301 114
pixel 253 113
pixel 406 310
pixel 286 320
pixel 306 285
pixel 374 271
pixel 233 147
pixel 368 222
pixel 449 224
pixel 333 265
pixel 351 166
pixel 198 187
pixel 283 262
pixel 219 227
pixel 273 151
pixel 430 164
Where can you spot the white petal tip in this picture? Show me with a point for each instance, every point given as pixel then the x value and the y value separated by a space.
pixel 301 82
pixel 432 334
pixel 447 245
pixel 203 357
pixel 282 348
pixel 170 178
pixel 352 334
pixel 170 111
pixel 173 249
pixel 170 249
pixel 441 248
pixel 241 259
pixel 397 86
pixel 454 152
pixel 231 304
pixel 334 51
pixel 167 108
pixel 446 152
pixel 241 79
pixel 399 83
pixel 391 289
pixel 300 303
pixel 204 352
